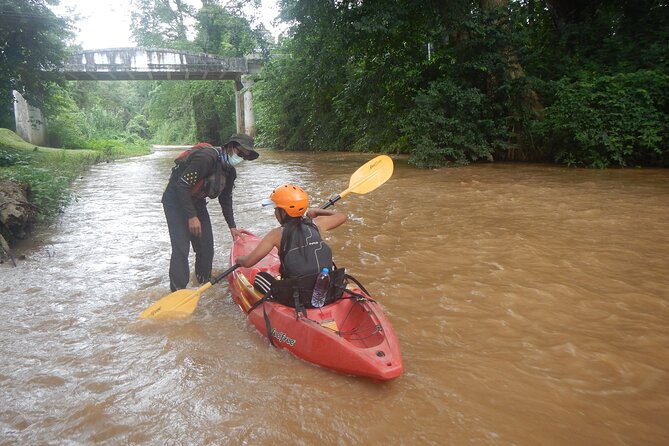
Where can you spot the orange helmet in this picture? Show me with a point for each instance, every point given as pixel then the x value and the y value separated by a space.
pixel 292 199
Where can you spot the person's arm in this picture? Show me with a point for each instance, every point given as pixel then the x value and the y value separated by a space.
pixel 225 199
pixel 326 219
pixel 271 240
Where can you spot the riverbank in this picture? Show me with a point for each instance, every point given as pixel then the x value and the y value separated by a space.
pixel 35 181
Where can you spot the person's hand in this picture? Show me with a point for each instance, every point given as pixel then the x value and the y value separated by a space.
pixel 235 233
pixel 194 226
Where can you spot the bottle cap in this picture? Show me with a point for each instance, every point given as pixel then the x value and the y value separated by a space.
pixel 325 270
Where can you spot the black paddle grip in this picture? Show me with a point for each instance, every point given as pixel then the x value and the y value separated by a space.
pixel 224 273
pixel 331 202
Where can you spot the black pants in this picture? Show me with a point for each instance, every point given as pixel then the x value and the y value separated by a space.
pixel 181 239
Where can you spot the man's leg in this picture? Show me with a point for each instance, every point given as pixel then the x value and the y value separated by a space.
pixel 177 223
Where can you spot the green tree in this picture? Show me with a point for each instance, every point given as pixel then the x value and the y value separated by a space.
pixel 161 23
pixel 219 31
pixel 456 81
pixel 214 111
pixel 32 39
pixel 170 113
pixel 620 120
pixel 350 72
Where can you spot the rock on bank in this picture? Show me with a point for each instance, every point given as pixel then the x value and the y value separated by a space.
pixel 17 215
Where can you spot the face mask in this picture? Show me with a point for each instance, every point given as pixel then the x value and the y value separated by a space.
pixel 233 159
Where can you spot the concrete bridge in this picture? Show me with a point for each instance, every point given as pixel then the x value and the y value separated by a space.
pixel 134 64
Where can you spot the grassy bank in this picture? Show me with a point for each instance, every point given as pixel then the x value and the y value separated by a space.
pixel 48 172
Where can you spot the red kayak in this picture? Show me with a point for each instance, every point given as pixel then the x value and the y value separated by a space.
pixel 352 335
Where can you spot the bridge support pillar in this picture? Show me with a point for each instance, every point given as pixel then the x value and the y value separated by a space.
pixel 246 121
pixel 29 121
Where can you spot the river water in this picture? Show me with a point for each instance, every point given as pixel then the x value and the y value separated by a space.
pixel 531 303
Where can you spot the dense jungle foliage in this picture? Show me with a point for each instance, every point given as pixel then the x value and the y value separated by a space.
pixel 578 82
pixel 585 83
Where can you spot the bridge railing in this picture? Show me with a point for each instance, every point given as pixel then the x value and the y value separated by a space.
pixel 156 64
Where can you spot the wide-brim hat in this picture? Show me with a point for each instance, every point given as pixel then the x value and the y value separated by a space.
pixel 246 144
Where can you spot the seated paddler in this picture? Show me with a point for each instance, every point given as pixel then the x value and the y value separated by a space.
pixel 302 251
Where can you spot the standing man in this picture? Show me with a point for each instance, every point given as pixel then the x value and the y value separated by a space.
pixel 202 171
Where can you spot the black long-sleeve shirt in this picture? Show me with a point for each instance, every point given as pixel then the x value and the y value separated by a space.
pixel 201 164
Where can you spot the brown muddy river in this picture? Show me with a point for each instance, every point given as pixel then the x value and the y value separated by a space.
pixel 531 304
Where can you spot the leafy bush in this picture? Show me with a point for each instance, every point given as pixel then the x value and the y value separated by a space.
pixel 64 120
pixel 99 122
pixel 48 173
pixel 214 111
pixel 170 109
pixel 124 144
pixel 97 127
pixel 174 132
pixel 449 124
pixel 139 126
pixel 8 158
pixel 599 121
pixel 49 190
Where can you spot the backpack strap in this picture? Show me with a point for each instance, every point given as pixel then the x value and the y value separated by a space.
pixel 259 302
pixel 357 282
pixel 353 294
pixel 268 327
pixel 298 305
pixel 262 283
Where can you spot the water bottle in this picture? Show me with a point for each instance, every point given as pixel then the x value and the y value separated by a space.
pixel 321 289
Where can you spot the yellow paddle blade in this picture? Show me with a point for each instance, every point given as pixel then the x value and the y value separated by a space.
pixel 176 305
pixel 371 175
pixel 181 303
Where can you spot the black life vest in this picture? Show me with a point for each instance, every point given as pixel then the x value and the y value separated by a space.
pixel 306 255
pixel 210 186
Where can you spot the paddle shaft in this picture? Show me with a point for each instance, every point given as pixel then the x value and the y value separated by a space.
pixel 224 274
pixel 331 202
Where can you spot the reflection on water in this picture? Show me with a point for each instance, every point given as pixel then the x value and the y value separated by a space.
pixel 531 303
